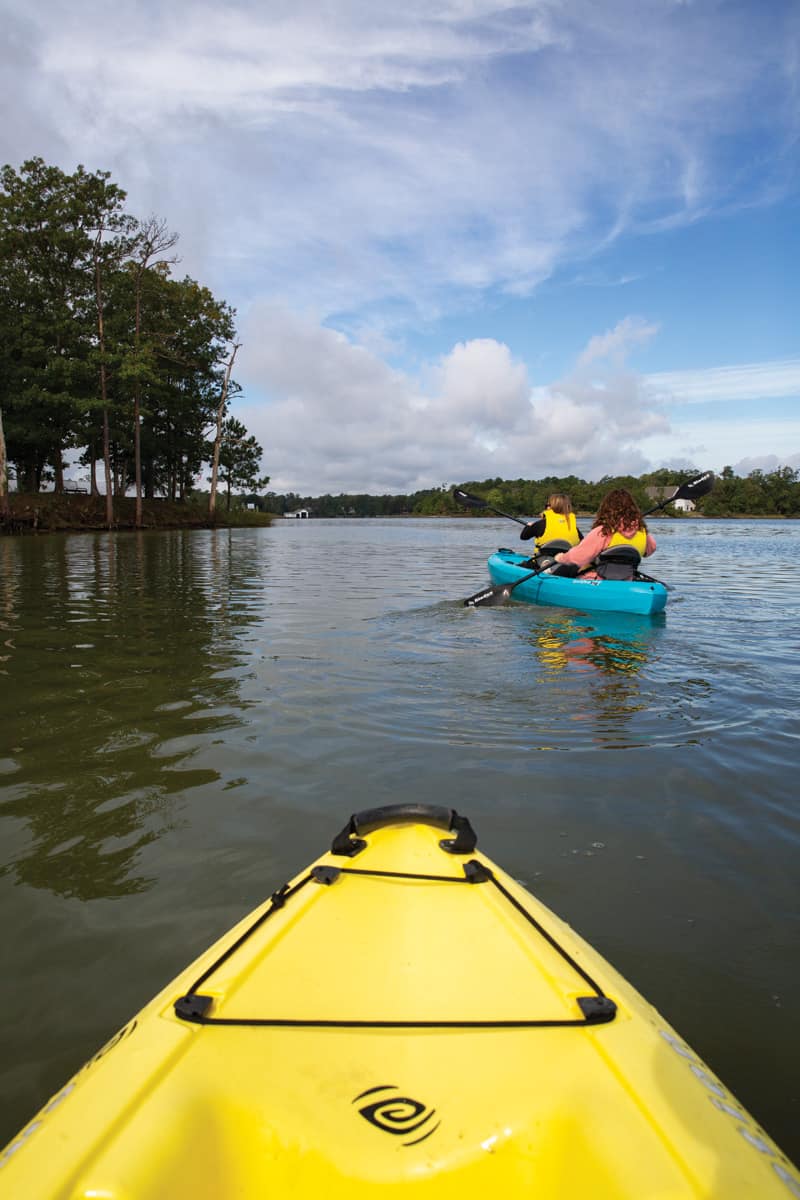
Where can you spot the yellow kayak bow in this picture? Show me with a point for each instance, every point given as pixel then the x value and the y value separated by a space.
pixel 401 1018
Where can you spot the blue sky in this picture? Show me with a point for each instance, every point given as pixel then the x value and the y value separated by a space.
pixel 464 238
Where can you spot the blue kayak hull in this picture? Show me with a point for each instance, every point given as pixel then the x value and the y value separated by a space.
pixel 595 595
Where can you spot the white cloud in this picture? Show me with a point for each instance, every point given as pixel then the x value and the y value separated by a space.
pixel 713 444
pixel 483 387
pixel 616 344
pixel 766 462
pixel 594 419
pixel 337 418
pixel 748 381
pixel 350 154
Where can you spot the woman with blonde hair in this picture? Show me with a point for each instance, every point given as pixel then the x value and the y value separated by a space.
pixel 619 522
pixel 559 523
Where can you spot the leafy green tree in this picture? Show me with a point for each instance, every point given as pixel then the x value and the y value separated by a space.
pixel 152 242
pixel 239 459
pixel 45 331
pixel 727 496
pixel 178 372
pixel 99 347
pixel 783 491
pixel 191 354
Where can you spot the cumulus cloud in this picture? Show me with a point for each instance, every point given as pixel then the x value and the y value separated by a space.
pixel 594 419
pixel 337 418
pixel 481 385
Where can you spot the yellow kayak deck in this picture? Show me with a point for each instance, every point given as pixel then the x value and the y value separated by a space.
pixel 402 1016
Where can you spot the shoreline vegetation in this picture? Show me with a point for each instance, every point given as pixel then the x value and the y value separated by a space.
pixel 759 496
pixel 46 512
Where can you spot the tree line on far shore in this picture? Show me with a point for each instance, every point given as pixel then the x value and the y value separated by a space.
pixel 760 493
pixel 101 349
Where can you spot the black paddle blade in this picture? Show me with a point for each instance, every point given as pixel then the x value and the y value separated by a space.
pixel 501 592
pixel 470 501
pixel 475 502
pixel 693 488
pixel 489 597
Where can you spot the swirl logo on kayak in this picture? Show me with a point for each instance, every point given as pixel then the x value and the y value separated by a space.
pixel 397 1114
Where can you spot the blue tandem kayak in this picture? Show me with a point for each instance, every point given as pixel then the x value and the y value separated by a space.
pixel 597 595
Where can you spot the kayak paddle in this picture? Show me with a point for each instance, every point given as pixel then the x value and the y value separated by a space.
pixel 471 501
pixel 692 489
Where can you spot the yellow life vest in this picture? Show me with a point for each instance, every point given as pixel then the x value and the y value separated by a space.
pixel 559 526
pixel 638 541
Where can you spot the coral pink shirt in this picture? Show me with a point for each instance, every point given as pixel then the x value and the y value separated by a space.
pixel 597 541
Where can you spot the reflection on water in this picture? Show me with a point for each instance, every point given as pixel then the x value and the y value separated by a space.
pixel 122 665
pixel 609 643
pixel 598 667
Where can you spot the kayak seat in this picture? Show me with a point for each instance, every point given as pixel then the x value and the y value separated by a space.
pixel 556 546
pixel 620 563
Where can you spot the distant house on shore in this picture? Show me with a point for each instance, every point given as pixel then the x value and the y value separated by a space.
pixel 254 503
pixel 663 493
pixel 301 514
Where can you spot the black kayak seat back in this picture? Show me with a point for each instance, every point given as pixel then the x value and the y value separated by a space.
pixel 556 546
pixel 620 562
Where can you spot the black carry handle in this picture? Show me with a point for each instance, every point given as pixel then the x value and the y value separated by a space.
pixel 348 842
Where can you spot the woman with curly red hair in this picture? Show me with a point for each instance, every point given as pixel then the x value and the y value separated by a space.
pixel 619 522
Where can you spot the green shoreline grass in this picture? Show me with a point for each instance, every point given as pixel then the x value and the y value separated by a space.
pixel 45 512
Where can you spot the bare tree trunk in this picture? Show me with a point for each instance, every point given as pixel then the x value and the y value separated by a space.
pixel 58 464
pixel 4 505
pixel 101 340
pixel 212 499
pixel 137 419
pixel 121 477
pixel 93 488
pixel 106 453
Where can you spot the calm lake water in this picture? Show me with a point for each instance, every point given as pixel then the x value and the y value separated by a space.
pixel 187 718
